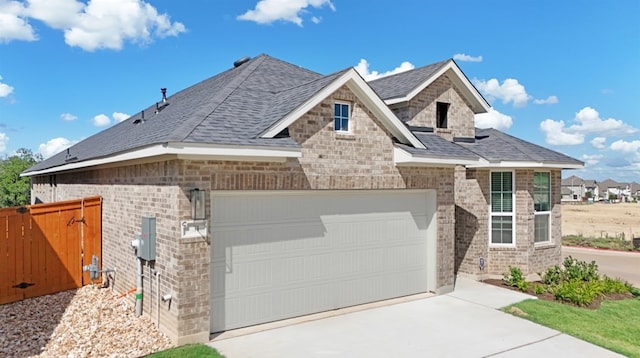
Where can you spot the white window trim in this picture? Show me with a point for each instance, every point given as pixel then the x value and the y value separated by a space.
pixel 512 213
pixel 548 213
pixel 349 120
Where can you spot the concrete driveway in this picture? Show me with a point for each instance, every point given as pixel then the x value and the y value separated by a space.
pixel 464 323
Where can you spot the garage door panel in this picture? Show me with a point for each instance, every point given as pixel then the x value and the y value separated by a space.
pixel 281 255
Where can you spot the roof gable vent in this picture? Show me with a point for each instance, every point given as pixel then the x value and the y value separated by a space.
pixel 241 61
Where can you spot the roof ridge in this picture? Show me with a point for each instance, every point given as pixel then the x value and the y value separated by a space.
pixel 245 71
pixel 439 63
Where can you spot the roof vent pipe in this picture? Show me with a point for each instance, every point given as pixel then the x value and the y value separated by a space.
pixel 164 94
pixel 241 61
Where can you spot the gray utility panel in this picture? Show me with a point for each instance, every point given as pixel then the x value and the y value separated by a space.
pixel 147 248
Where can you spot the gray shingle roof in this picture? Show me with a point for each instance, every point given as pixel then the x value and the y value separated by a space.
pixel 496 146
pixel 438 147
pixel 232 108
pixel 401 84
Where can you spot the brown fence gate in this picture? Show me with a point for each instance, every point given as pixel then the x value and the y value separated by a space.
pixel 44 246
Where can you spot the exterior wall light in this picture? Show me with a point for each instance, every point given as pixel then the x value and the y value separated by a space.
pixel 197 204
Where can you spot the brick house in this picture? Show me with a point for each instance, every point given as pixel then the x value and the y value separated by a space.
pixel 321 192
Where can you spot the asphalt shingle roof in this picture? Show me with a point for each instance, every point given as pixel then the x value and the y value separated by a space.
pixel 401 84
pixel 438 147
pixel 237 105
pixel 233 107
pixel 496 146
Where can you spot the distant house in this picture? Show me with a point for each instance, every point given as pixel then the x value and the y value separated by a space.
pixel 591 186
pixel 634 191
pixel 613 190
pixel 573 189
pixel 277 192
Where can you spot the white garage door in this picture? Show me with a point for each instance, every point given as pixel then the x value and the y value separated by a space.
pixel 277 255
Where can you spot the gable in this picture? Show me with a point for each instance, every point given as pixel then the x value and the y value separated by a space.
pixel 359 87
pixel 405 86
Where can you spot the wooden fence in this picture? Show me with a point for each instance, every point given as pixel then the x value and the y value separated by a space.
pixel 44 246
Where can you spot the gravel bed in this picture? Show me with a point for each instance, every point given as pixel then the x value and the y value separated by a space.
pixel 87 322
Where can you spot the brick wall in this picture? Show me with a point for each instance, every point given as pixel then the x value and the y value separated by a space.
pixel 530 257
pixel 128 193
pixel 472 219
pixel 362 159
pixel 421 110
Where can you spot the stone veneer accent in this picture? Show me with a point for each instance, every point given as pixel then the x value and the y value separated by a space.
pixel 361 159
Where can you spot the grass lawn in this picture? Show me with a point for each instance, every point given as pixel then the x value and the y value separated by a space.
pixel 615 325
pixel 188 351
pixel 611 243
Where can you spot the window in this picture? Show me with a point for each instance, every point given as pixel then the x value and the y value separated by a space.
pixel 341 117
pixel 542 206
pixel 441 114
pixel 502 208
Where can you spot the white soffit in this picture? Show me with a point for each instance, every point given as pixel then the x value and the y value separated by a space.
pixel 525 164
pixel 183 151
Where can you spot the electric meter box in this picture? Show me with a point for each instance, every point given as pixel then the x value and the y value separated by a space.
pixel 147 248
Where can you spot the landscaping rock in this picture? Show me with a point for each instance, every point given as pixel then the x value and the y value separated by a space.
pixel 87 322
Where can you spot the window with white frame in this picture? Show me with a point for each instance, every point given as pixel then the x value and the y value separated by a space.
pixel 502 208
pixel 542 206
pixel 341 117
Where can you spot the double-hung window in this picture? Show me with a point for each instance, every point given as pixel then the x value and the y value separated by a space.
pixel 341 117
pixel 502 208
pixel 542 206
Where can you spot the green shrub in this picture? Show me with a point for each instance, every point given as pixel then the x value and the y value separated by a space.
pixel 553 275
pixel 580 270
pixel 515 278
pixel 539 289
pixel 614 285
pixel 581 293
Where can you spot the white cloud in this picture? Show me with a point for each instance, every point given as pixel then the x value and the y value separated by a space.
pixel 363 69
pixel 589 121
pixel 101 120
pixel 591 159
pixel 509 91
pixel 3 141
pixel 467 58
pixel 119 117
pixel 5 89
pixel 549 100
pixel 13 26
pixel 97 24
pixel 268 11
pixel 493 119
pixel 54 146
pixel 316 20
pixel 626 147
pixel 68 117
pixel 556 134
pixel 599 142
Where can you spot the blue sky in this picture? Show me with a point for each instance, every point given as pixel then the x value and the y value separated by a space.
pixel 565 75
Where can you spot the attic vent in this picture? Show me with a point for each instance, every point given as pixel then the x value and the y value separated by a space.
pixel 464 139
pixel 241 61
pixel 161 105
pixel 69 157
pixel 420 129
pixel 139 120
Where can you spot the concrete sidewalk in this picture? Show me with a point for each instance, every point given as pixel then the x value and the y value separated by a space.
pixel 464 323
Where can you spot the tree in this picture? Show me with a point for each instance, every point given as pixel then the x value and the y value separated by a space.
pixel 14 189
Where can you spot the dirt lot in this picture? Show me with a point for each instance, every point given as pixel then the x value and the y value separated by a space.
pixel 601 220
